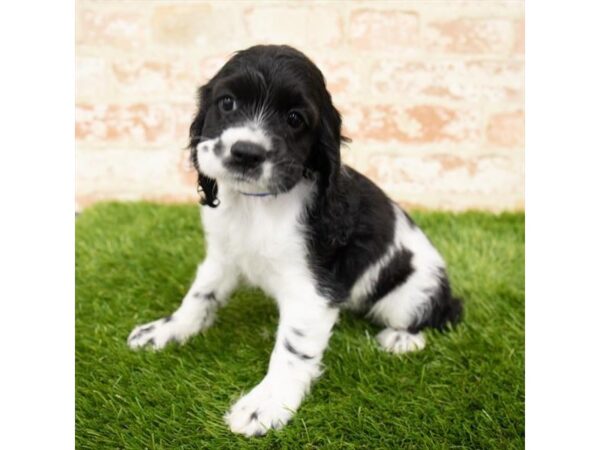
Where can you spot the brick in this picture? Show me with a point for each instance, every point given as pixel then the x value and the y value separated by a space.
pixel 418 124
pixel 294 25
pixel 383 29
pixel 125 29
pixel 92 77
pixel 185 25
pixel 164 78
pixel 469 35
pixel 210 65
pixel 507 129
pixel 519 45
pixel 141 123
pixel 155 78
pixel 133 174
pixel 432 99
pixel 342 77
pixel 472 81
pixel 184 115
pixel 447 181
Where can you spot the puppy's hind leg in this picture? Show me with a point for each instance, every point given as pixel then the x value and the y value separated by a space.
pixel 400 341
pixel 210 290
pixel 424 300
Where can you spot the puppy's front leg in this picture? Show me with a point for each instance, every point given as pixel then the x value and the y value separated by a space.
pixel 303 333
pixel 214 282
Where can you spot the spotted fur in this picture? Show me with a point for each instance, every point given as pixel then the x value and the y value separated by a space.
pixel 281 212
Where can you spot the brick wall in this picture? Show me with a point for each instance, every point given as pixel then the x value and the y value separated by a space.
pixel 432 92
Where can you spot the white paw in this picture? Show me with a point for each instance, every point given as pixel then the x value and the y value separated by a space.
pixel 158 334
pixel 259 411
pixel 400 341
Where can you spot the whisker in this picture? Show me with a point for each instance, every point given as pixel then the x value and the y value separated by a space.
pixel 287 163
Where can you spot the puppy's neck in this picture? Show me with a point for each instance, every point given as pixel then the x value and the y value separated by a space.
pixel 232 197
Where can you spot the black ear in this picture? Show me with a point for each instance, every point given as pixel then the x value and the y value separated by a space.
pixel 332 206
pixel 207 185
pixel 328 148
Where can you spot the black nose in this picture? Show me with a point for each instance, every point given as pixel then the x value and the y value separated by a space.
pixel 247 153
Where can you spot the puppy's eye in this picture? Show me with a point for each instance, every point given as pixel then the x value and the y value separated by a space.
pixel 227 104
pixel 294 119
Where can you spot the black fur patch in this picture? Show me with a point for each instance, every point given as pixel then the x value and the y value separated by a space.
pixel 284 79
pixel 350 222
pixel 341 248
pixel 210 296
pixel 290 348
pixel 148 328
pixel 395 273
pixel 298 332
pixel 218 149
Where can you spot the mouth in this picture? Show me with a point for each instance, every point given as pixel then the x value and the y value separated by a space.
pixel 251 185
pixel 241 178
pixel 243 172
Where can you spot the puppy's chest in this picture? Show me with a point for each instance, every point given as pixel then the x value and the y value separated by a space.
pixel 266 243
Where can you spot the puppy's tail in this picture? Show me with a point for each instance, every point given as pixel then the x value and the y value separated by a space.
pixel 451 313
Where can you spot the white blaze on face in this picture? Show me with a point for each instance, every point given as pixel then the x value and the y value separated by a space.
pixel 247 133
pixel 210 159
pixel 208 162
pixel 206 146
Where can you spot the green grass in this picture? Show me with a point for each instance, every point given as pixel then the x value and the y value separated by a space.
pixel 134 263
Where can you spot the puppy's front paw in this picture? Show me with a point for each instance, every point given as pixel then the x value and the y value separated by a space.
pixel 156 335
pixel 259 411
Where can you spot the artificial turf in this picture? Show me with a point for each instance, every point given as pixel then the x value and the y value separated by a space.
pixel 134 263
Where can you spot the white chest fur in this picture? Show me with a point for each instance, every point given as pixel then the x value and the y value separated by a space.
pixel 261 237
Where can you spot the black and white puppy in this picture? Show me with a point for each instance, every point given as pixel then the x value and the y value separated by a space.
pixel 282 212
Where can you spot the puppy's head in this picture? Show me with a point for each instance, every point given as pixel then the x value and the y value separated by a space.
pixel 264 122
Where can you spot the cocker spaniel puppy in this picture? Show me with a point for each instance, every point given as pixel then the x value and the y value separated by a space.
pixel 281 212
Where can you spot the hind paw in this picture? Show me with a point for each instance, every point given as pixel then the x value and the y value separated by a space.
pixel 400 341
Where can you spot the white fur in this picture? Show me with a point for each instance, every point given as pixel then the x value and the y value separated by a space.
pixel 271 249
pixel 400 341
pixel 274 401
pixel 260 240
pixel 260 236
pixel 399 308
pixel 250 132
pixel 212 164
pixel 366 282
pixel 197 310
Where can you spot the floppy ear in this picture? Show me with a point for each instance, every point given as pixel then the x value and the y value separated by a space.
pixel 333 207
pixel 327 153
pixel 207 185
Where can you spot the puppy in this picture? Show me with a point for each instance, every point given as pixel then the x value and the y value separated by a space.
pixel 281 212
